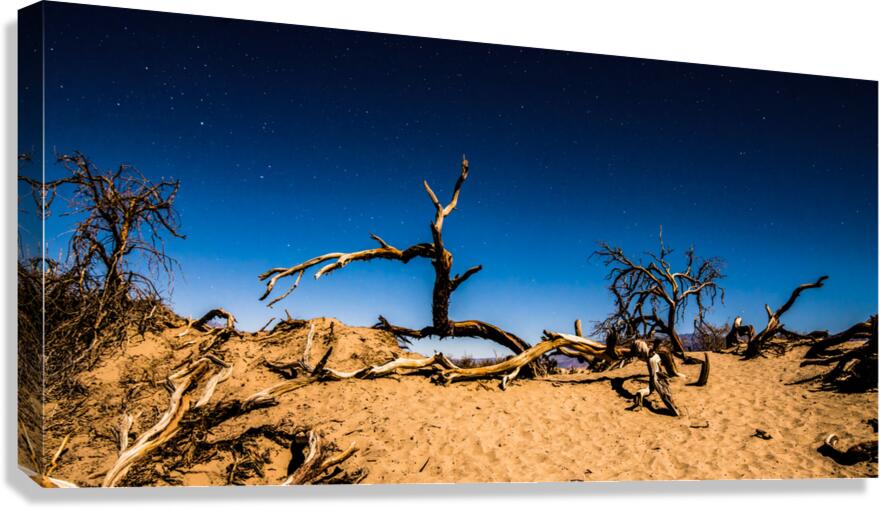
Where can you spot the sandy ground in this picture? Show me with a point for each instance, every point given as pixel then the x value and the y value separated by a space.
pixel 572 427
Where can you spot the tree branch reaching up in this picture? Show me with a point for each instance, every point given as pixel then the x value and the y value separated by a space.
pixel 444 284
pixel 759 342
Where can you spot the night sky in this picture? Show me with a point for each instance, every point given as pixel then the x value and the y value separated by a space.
pixel 290 142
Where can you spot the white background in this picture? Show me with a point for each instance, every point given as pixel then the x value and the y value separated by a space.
pixel 834 38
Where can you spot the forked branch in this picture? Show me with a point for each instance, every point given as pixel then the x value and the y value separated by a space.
pixel 760 341
pixel 444 284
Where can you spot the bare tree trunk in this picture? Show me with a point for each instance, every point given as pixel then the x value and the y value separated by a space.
pixel 444 283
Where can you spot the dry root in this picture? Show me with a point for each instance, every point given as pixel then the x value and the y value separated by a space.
pixel 444 371
pixel 318 460
pixel 855 368
pixel 181 383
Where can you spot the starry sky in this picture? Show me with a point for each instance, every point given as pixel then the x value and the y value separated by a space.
pixel 291 141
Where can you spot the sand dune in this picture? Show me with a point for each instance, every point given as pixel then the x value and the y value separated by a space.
pixel 572 427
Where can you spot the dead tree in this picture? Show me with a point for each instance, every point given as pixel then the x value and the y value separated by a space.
pixel 760 341
pixel 444 283
pixel 107 282
pixel 651 297
pixel 709 337
pixel 860 331
pixel 853 353
pixel 126 218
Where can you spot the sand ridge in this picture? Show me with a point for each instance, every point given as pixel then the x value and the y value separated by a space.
pixel 565 427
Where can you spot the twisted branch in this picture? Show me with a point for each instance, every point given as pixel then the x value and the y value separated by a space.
pixel 759 342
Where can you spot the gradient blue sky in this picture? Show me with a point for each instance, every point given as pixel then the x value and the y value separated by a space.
pixel 290 142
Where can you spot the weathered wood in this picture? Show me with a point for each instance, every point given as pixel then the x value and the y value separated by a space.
pixel 444 283
pixel 317 461
pixel 704 371
pixel 855 367
pixel 858 453
pixel 757 343
pixel 202 322
pixel 859 331
pixel 651 297
pixel 657 380
pixel 182 383
pixel 738 330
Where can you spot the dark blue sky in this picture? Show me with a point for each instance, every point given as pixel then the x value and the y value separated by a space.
pixel 290 142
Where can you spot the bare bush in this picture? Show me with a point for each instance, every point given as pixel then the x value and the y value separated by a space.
pixel 708 337
pixel 105 287
pixel 652 297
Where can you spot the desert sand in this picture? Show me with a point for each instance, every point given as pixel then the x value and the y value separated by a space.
pixel 563 427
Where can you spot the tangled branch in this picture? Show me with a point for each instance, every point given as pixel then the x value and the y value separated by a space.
pixel 651 297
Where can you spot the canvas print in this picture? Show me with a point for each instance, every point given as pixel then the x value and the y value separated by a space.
pixel 265 254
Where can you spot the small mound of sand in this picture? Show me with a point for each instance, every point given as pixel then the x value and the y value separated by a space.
pixel 353 347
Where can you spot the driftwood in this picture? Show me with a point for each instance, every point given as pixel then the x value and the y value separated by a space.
pixel 444 283
pixel 181 383
pixel 317 461
pixel 760 341
pixel 855 368
pixel 42 475
pixel 657 380
pixel 737 331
